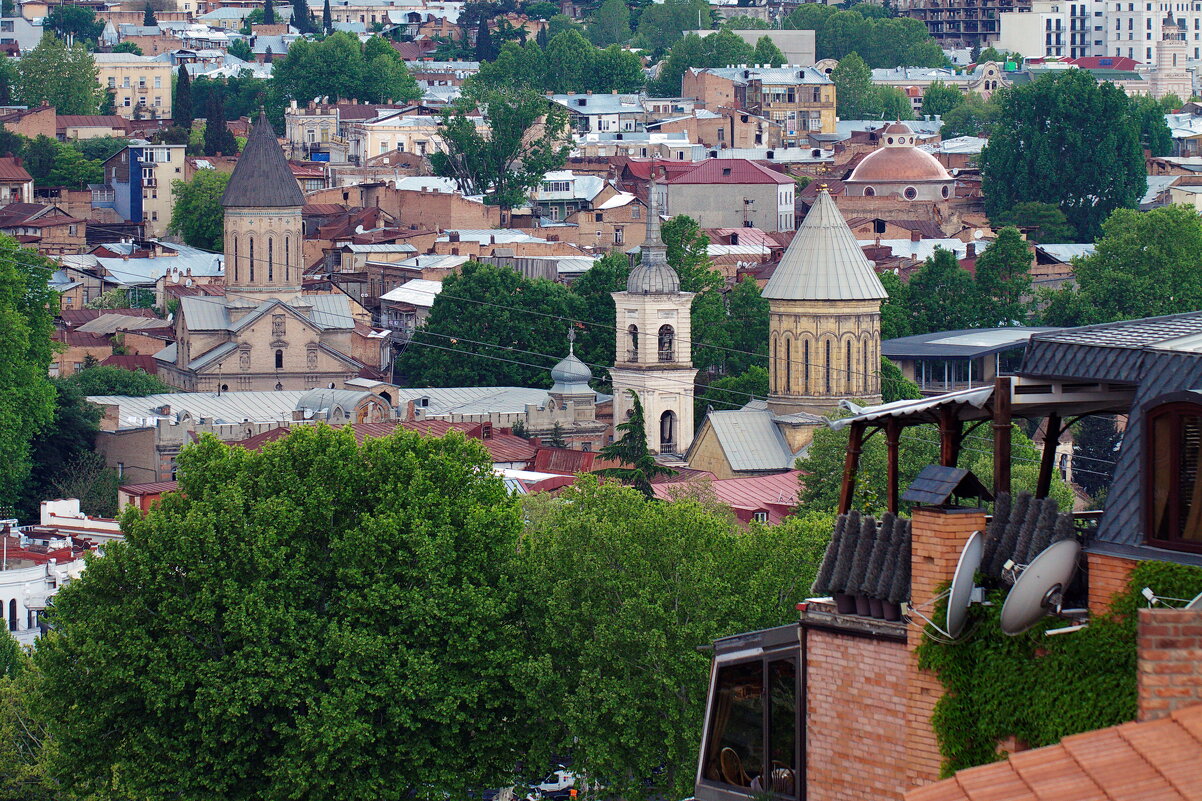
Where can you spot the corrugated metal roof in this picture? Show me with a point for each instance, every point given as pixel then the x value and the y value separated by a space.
pixel 205 359
pixel 109 323
pixel 204 314
pixel 824 261
pixel 968 399
pixel 965 343
pixel 227 407
pixel 751 440
pixel 417 292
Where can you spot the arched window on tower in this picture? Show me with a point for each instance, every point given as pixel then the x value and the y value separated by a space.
pixel 279 360
pixel 270 259
pixel 775 377
pixel 828 367
pixel 667 432
pixel 12 615
pixel 667 344
pixel 847 384
pixel 805 367
pixel 633 354
pixel 288 259
pixel 788 366
pixel 251 243
pixel 235 259
pixel 868 370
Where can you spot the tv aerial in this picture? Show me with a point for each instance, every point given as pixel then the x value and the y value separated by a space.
pixel 1159 600
pixel 963 592
pixel 1039 587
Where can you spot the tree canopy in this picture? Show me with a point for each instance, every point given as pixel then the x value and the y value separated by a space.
pixel 64 77
pixel 662 24
pixel 74 21
pixel 1067 140
pixel 1041 222
pixel 697 52
pixel 339 67
pixel 637 466
pixel 611 24
pixel 856 96
pixel 568 64
pixel 941 295
pixel 1003 281
pixel 939 98
pixel 197 215
pixel 881 41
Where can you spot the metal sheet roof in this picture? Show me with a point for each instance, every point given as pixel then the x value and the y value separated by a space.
pixel 824 261
pixel 972 401
pixel 262 178
pixel 417 292
pixel 751 440
pixel 964 343
pixel 227 407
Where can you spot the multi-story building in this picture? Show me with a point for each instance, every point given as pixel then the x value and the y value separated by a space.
pixel 961 24
pixel 140 85
pixel 603 113
pixel 801 99
pixel 410 133
pixel 1054 29
pixel 1134 29
pixel 731 193
pixel 318 131
pixel 138 184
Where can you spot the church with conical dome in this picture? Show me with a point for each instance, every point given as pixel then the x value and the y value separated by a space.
pixel 267 332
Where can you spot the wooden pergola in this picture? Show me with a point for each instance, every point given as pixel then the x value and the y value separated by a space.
pixel 957 414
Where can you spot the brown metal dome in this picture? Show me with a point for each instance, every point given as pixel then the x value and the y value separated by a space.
pixel 898 164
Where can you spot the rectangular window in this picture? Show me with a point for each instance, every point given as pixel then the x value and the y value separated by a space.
pixel 1174 492
pixel 158 82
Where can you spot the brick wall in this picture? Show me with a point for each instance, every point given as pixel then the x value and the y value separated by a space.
pixel 938 535
pixel 1170 661
pixel 1108 575
pixel 855 717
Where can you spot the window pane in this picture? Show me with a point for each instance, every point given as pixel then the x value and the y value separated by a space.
pixel 782 724
pixel 735 752
pixel 1176 498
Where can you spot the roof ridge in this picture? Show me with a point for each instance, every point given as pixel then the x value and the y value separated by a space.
pixel 262 177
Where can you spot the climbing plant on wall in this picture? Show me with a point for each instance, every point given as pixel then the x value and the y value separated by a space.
pixel 1040 689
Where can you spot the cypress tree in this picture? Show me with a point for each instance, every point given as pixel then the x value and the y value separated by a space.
pixel 181 104
pixel 268 55
pixel 218 139
pixel 268 13
pixel 300 16
pixel 822 582
pixel 484 50
pixel 327 18
pixel 148 19
pixel 1027 532
pixel 542 38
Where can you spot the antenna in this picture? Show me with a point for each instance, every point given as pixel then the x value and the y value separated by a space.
pixel 1040 587
pixel 1159 600
pixel 963 592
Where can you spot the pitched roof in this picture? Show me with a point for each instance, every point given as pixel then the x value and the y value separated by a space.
pixel 1156 759
pixel 11 170
pixel 730 171
pixel 751 440
pixel 824 261
pixel 262 177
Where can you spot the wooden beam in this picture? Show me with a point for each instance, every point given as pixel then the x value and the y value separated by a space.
pixel 949 436
pixel 851 462
pixel 1051 438
pixel 892 443
pixel 1001 434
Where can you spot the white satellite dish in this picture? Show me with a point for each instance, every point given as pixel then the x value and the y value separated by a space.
pixel 963 592
pixel 1040 588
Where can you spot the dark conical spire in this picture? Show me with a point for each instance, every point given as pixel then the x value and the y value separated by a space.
pixel 262 178
pixel 653 275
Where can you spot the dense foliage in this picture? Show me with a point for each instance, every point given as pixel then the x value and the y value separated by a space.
pixel 567 64
pixel 339 67
pixel 883 41
pixel 197 214
pixel 64 77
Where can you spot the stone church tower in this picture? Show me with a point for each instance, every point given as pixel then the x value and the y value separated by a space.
pixel 263 227
pixel 1171 76
pixel 654 345
pixel 825 318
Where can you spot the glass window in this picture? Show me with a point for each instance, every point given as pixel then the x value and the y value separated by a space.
pixel 1174 492
pixel 735 752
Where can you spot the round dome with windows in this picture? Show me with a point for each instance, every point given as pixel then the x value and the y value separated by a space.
pixel 898 168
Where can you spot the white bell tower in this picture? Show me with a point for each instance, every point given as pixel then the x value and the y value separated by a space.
pixel 654 345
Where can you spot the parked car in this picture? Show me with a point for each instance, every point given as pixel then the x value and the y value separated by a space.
pixel 557 785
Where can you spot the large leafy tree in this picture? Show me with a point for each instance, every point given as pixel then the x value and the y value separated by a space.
pixel 597 339
pixel 611 24
pixel 64 77
pixel 1041 222
pixel 621 591
pixel 747 323
pixel 569 59
pixel 731 392
pixel 1154 132
pixel 1003 279
pixel 1067 140
pixel 638 466
pixel 881 40
pixel 197 214
pixel 972 116
pixel 942 295
pixel 662 24
pixel 1145 264
pixel 856 96
pixel 716 50
pixel 26 396
pixel 491 326
pixel 317 619
pixel 74 21
pixel 895 312
pixel 526 136
pixel 939 98
pixel 339 67
pixel 766 52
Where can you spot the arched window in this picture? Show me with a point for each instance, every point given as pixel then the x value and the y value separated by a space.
pixel 288 259
pixel 12 615
pixel 279 360
pixel 869 192
pixel 270 259
pixel 775 380
pixel 868 371
pixel 667 344
pixel 847 382
pixel 235 259
pixel 667 432
pixel 805 367
pixel 1172 475
pixel 828 367
pixel 251 242
pixel 788 366
pixel 633 355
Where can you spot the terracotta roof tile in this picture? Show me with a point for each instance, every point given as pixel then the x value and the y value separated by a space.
pixel 730 171
pixel 995 782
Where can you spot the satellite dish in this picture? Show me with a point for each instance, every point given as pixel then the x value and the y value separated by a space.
pixel 960 595
pixel 1040 588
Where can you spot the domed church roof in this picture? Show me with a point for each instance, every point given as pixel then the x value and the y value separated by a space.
pixel 571 376
pixel 897 160
pixel 653 275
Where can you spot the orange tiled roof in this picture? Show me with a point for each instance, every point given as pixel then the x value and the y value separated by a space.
pixel 1157 760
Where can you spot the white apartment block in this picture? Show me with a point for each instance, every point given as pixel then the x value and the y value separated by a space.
pixel 1051 28
pixel 1134 28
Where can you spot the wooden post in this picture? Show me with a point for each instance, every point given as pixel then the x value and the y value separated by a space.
pixel 949 437
pixel 855 444
pixel 1051 438
pixel 1001 434
pixel 892 440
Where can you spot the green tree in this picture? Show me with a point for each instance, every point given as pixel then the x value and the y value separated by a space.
pixel 716 50
pixel 1154 132
pixel 309 683
pixel 218 138
pixel 766 52
pixel 515 67
pixel 631 451
pixel 327 19
pixel 972 116
pixel 731 392
pixel 662 24
pixel 127 47
pixel 240 49
pixel 1070 141
pixel 1146 264
pixel 1041 222
pixel 1096 441
pixel 942 295
pixel 181 104
pixel 894 384
pixel 1003 279
pixel 39 158
pixel 856 97
pixel 939 98
pixel 8 81
pixel 997 56
pixel 569 62
pixel 301 18
pixel 895 312
pixel 1171 103
pixel 481 331
pixel 894 103
pixel 69 436
pixel 558 24
pixel 615 69
pixel 747 327
pixel 64 77
pixel 268 12
pixel 100 380
pixel 26 395
pixel 339 67
pixel 505 160
pixel 688 253
pixel 197 214
pixel 540 9
pixel 148 18
pixel 386 78
pixel 745 23
pixel 621 591
pixel 611 24
pixel 485 47
pixel 73 170
pixel 881 40
pixel 78 22
pixel 597 340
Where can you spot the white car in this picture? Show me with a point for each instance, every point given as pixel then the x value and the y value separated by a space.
pixel 557 785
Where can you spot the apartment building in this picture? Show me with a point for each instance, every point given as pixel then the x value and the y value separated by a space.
pixel 1053 29
pixel 141 85
pixel 801 99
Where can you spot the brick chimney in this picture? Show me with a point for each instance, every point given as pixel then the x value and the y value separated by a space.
pixel 970 250
pixel 915 236
pixel 1169 647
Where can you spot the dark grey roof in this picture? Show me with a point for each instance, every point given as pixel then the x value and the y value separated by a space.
pixel 262 178
pixel 966 343
pixel 935 485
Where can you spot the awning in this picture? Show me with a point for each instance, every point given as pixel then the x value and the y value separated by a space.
pixel 969 404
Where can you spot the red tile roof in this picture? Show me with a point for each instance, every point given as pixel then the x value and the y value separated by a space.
pixel 132 362
pixel 775 494
pixel 1148 761
pixel 641 168
pixel 1105 63
pixel 730 171
pixel 64 121
pixel 11 170
pixel 151 488
pixel 79 339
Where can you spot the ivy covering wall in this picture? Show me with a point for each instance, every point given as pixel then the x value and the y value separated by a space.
pixel 1040 689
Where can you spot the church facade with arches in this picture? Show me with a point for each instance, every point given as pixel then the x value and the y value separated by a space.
pixel 267 332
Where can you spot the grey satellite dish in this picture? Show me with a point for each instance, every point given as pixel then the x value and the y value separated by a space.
pixel 1040 588
pixel 961 593
pixel 1196 603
